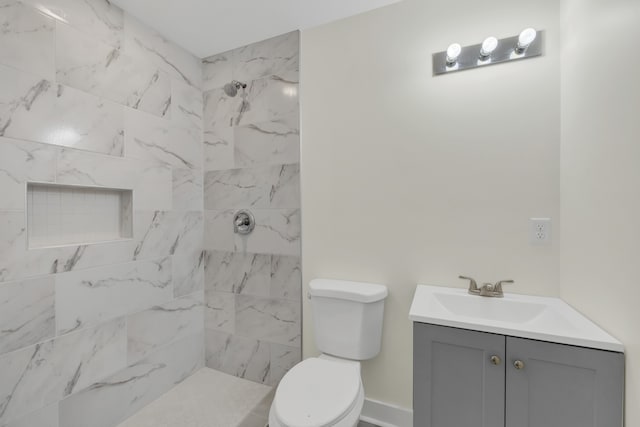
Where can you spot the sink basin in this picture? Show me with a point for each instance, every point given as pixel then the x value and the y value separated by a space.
pixel 490 308
pixel 525 316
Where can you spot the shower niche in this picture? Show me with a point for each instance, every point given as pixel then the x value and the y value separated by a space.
pixel 61 215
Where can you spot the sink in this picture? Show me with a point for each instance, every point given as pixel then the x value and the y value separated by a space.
pixel 490 308
pixel 525 316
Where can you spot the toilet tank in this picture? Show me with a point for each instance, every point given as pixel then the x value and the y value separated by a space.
pixel 347 317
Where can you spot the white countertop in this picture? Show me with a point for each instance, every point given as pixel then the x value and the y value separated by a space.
pixel 524 316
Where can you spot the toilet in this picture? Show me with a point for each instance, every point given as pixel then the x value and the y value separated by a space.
pixel 327 390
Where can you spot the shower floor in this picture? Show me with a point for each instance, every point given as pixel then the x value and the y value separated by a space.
pixel 208 398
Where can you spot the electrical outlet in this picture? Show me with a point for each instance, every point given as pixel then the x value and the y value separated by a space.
pixel 540 233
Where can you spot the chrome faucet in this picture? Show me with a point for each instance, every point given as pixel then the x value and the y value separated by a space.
pixel 487 289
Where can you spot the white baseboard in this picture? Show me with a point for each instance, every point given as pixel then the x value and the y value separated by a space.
pixel 386 415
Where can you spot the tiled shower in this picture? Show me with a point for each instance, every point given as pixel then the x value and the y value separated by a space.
pixel 252 152
pixel 98 111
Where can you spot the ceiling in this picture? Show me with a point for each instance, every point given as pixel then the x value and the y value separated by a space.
pixel 206 27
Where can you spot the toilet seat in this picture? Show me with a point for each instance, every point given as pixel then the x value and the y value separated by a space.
pixel 318 392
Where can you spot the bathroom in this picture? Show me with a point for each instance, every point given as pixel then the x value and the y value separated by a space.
pixel 140 140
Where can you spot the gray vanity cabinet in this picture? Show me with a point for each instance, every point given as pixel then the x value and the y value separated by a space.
pixel 475 379
pixel 455 383
pixel 563 386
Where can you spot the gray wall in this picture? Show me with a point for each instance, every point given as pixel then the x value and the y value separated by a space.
pixel 94 332
pixel 252 151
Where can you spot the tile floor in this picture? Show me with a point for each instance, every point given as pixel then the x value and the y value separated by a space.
pixel 206 399
pixel 210 399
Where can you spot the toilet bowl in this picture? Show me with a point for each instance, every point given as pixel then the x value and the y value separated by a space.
pixel 319 392
pixel 327 390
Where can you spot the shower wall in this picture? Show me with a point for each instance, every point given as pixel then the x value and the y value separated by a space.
pixel 251 161
pixel 89 333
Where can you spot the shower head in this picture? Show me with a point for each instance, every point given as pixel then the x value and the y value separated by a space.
pixel 231 89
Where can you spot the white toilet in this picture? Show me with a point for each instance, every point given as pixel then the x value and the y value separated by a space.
pixel 327 390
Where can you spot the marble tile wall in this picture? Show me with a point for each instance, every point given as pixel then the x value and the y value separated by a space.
pixel 251 161
pixel 89 96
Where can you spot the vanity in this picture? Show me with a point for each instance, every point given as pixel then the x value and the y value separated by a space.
pixel 514 361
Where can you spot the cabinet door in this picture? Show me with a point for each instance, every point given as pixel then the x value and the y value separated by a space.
pixel 563 386
pixel 455 382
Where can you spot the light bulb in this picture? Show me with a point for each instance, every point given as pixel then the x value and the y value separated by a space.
pixel 526 37
pixel 453 52
pixel 488 46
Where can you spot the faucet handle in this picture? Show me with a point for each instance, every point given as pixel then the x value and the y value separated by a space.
pixel 498 286
pixel 473 285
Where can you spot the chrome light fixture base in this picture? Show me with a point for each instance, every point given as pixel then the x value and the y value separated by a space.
pixel 470 57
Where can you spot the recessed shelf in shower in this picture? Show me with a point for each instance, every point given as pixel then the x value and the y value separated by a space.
pixel 59 215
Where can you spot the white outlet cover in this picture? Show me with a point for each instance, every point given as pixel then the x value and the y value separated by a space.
pixel 540 231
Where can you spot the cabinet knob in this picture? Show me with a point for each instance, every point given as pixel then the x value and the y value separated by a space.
pixel 495 360
pixel 518 364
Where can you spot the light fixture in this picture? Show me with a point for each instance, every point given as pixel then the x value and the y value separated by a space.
pixel 527 44
pixel 453 52
pixel 488 46
pixel 526 37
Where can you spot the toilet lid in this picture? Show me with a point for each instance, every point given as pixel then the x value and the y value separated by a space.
pixel 317 392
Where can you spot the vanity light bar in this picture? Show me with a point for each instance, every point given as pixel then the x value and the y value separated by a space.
pixel 527 44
